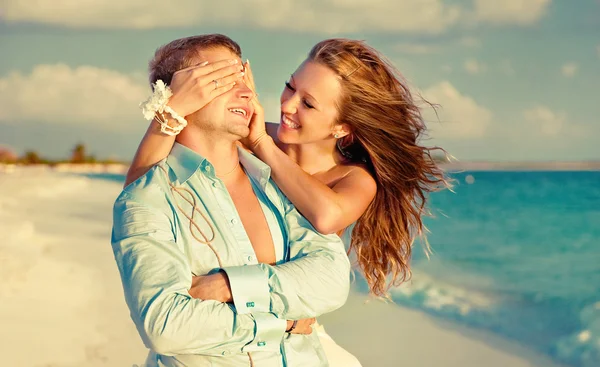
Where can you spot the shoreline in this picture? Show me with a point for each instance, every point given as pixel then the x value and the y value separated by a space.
pixel 401 336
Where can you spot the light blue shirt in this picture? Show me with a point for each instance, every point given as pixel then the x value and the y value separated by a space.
pixel 157 256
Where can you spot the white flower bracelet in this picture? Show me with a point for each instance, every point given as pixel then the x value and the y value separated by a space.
pixel 156 105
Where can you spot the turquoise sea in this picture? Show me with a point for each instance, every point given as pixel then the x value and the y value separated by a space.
pixel 516 254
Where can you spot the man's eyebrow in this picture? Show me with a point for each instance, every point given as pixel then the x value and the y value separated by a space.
pixel 308 94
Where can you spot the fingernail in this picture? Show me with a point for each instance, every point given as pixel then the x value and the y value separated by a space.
pixel 204 63
pixel 233 62
pixel 248 62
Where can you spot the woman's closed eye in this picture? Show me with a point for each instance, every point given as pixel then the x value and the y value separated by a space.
pixel 304 101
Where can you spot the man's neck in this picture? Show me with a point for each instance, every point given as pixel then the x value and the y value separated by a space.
pixel 221 152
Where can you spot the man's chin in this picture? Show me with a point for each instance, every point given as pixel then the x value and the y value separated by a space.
pixel 239 131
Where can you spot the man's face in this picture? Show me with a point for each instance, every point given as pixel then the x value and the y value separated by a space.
pixel 218 117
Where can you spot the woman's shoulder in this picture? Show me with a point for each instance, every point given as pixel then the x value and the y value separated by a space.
pixel 355 171
pixel 355 175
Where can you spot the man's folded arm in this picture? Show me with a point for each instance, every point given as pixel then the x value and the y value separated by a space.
pixel 315 281
pixel 156 278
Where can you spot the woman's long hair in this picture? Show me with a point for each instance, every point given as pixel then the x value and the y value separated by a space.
pixel 386 128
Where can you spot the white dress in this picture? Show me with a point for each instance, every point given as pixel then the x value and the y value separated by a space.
pixel 336 355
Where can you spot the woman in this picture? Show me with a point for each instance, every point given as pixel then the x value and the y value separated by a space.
pixel 346 153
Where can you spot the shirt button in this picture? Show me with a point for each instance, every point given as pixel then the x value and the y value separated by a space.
pixel 225 353
pixel 250 258
pixel 207 169
pixel 216 184
pixel 233 221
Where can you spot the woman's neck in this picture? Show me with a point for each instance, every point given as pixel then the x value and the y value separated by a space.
pixel 313 157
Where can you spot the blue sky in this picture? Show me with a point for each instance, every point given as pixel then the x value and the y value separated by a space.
pixel 516 80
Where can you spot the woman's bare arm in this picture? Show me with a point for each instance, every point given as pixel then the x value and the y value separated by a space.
pixel 329 209
pixel 154 147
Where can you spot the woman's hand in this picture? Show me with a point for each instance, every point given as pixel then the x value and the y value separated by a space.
pixel 258 131
pixel 303 326
pixel 196 86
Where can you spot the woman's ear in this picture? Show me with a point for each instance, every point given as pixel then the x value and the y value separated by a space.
pixel 341 130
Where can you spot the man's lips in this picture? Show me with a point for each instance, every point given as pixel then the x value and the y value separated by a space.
pixel 240 110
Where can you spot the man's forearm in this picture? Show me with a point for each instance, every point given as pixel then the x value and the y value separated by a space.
pixel 212 287
pixel 216 287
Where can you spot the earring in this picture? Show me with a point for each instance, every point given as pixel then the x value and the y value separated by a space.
pixel 336 136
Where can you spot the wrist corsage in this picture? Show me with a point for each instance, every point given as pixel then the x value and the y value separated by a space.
pixel 156 105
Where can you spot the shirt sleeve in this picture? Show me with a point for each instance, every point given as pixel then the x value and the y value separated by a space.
pixel 314 281
pixel 156 277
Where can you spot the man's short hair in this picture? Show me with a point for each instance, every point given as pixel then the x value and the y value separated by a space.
pixel 183 53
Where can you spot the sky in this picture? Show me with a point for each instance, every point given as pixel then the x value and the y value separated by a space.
pixel 516 80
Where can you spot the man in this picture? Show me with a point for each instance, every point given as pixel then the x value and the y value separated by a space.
pixel 215 261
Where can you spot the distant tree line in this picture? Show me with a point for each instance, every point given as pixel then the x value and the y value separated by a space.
pixel 79 155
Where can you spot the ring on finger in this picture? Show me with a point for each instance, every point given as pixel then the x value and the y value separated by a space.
pixel 216 83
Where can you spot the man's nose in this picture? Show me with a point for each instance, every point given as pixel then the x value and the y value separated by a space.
pixel 243 91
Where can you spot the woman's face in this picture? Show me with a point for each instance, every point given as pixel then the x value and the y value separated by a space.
pixel 308 110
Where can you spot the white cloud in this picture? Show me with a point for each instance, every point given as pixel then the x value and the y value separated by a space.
pixel 330 16
pixel 522 12
pixel 545 121
pixel 550 124
pixel 473 66
pixel 569 69
pixel 85 95
pixel 460 117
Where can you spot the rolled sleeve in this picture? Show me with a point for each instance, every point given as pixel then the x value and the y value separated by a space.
pixel 269 333
pixel 249 288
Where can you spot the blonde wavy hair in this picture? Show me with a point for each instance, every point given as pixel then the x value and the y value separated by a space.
pixel 386 131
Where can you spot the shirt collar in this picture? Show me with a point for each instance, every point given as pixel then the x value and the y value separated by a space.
pixel 255 168
pixel 185 162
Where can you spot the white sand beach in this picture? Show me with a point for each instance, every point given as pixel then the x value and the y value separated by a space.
pixel 62 302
